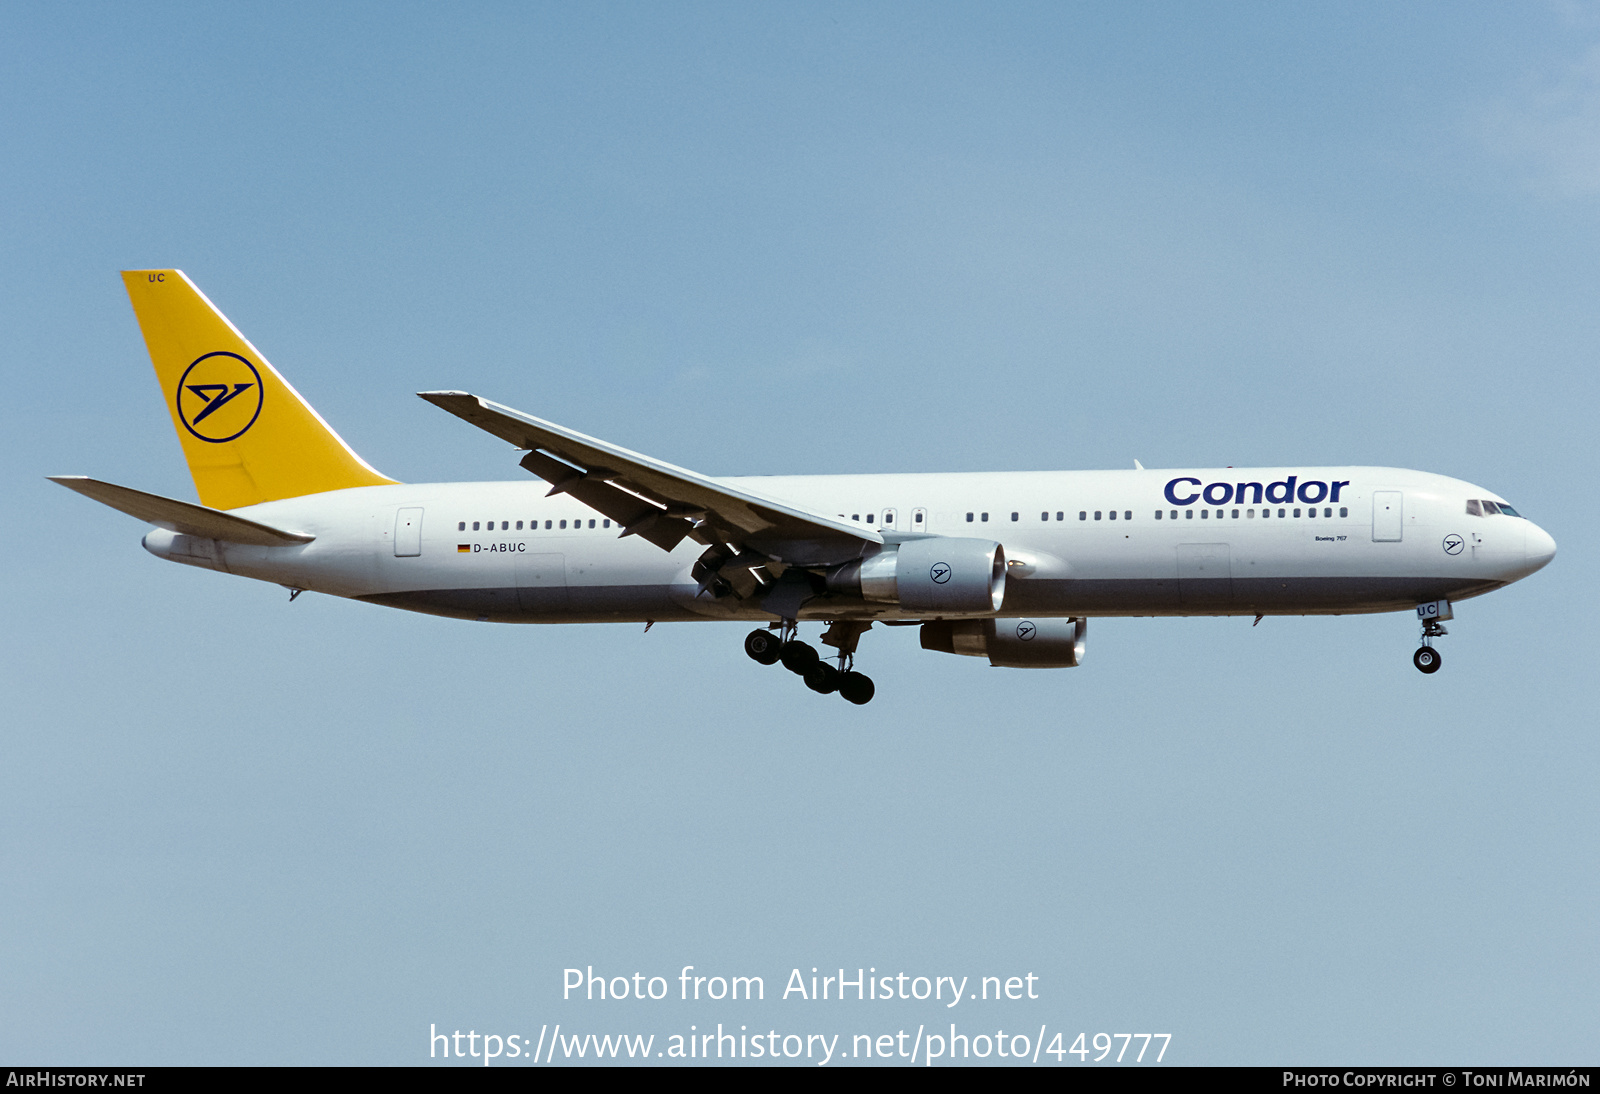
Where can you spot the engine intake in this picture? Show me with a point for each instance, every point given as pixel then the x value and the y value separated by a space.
pixel 1011 643
pixel 938 574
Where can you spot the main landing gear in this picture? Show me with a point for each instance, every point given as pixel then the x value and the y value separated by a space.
pixel 769 648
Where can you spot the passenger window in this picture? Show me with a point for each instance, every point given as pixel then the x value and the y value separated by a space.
pixel 1174 514
pixel 1327 512
pixel 1188 514
pixel 1297 512
pixel 1013 515
pixel 857 516
pixel 547 526
pixel 1236 514
pixel 1344 512
pixel 605 524
pixel 563 524
pixel 969 518
pixel 1205 514
pixel 984 516
pixel 1249 514
pixel 1083 515
pixel 1113 514
pixel 1311 512
pixel 1097 514
pixel 1280 514
pixel 1044 516
pixel 505 526
pixel 869 518
pixel 916 518
pixel 462 527
pixel 591 524
pixel 1127 514
pixel 1158 514
pixel 474 526
pixel 519 526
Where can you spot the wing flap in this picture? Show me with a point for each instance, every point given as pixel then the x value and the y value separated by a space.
pixel 635 515
pixel 180 516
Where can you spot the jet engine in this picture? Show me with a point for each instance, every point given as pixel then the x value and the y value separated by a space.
pixel 933 575
pixel 1011 643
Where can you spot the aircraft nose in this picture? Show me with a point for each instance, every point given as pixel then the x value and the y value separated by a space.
pixel 1539 547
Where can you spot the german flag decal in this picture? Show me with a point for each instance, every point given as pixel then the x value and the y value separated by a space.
pixel 463 548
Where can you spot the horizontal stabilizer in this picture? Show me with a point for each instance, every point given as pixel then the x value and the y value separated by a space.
pixel 655 500
pixel 180 516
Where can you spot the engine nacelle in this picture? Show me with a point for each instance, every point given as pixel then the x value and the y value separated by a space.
pixel 934 575
pixel 1012 643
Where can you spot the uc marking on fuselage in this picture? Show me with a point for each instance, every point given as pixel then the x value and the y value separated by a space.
pixel 1282 492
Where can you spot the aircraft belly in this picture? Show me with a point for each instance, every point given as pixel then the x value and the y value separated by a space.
pixel 1239 596
pixel 519 604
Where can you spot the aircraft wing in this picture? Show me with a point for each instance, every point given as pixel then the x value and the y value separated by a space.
pixel 655 500
pixel 180 516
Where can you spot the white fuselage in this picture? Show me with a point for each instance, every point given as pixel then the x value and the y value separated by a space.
pixel 1079 543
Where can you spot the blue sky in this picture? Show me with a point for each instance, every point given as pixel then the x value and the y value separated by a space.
pixel 783 239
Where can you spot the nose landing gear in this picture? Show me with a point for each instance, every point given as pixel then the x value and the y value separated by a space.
pixel 1432 616
pixel 768 648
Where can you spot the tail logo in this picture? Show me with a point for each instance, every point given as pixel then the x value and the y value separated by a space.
pixel 219 397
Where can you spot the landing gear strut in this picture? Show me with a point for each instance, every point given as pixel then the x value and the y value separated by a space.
pixel 1432 617
pixel 769 647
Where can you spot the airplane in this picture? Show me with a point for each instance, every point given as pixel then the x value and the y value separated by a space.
pixel 1005 566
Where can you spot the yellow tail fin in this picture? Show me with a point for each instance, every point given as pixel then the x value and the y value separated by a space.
pixel 248 436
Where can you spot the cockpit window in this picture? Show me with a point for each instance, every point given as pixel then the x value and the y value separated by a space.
pixel 1485 508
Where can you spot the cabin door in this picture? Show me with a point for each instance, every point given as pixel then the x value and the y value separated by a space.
pixel 408 533
pixel 1387 516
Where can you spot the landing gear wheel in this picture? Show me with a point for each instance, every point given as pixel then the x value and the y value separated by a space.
pixel 762 646
pixel 822 678
pixel 797 657
pixel 857 688
pixel 1427 659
